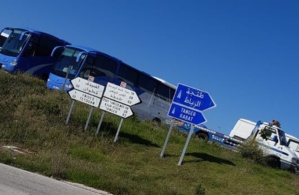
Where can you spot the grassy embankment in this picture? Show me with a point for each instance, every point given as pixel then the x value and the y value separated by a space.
pixel 33 118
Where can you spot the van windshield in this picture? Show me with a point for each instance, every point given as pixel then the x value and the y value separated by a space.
pixel 282 137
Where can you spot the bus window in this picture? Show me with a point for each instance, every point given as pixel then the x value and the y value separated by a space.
pixel 147 83
pixel 14 43
pixel 46 45
pixel 127 74
pixel 105 66
pixel 101 66
pixel 67 64
pixel 165 92
pixel 3 37
pixel 88 68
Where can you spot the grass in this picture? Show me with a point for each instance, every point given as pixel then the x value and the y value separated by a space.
pixel 33 118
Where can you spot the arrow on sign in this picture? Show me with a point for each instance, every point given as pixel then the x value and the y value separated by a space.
pixel 121 94
pixel 193 98
pixel 186 114
pixel 116 108
pixel 84 97
pixel 88 86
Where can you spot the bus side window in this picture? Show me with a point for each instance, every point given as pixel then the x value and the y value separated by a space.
pixel 165 92
pixel 88 69
pixel 127 74
pixel 30 49
pixel 45 45
pixel 105 66
pixel 147 83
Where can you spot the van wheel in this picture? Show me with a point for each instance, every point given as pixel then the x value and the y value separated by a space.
pixel 202 136
pixel 273 161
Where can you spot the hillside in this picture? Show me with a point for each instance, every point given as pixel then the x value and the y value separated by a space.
pixel 33 119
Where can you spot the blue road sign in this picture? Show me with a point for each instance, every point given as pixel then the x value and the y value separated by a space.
pixel 193 98
pixel 186 114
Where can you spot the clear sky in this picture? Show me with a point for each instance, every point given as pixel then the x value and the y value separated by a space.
pixel 245 53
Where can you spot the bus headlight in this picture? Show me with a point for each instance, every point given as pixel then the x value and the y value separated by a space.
pixel 14 62
pixel 69 86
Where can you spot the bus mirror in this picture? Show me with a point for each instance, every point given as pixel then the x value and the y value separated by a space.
pixel 22 35
pixel 57 51
pixel 80 56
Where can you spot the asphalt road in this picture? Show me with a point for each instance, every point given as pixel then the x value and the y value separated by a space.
pixel 14 181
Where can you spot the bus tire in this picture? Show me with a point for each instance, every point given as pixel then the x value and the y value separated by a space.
pixel 202 136
pixel 156 121
pixel 273 161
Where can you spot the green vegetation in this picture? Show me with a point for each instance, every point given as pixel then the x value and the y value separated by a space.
pixel 251 151
pixel 33 119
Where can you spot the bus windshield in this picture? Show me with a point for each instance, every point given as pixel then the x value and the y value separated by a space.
pixel 15 42
pixel 69 63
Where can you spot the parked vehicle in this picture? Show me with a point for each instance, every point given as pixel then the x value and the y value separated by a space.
pixel 80 61
pixel 28 51
pixel 205 134
pixel 293 143
pixel 271 139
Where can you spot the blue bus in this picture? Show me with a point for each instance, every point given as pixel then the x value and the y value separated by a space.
pixel 78 61
pixel 28 51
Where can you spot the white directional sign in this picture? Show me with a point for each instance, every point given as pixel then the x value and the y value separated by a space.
pixel 116 108
pixel 84 97
pixel 88 86
pixel 121 94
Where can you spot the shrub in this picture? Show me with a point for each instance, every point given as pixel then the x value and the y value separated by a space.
pixel 250 150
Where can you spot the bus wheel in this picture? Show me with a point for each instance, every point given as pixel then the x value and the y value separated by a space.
pixel 44 77
pixel 273 161
pixel 202 136
pixel 156 121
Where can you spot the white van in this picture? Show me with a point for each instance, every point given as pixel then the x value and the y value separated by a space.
pixel 271 139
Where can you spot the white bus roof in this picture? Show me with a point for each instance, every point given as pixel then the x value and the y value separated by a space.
pixel 165 82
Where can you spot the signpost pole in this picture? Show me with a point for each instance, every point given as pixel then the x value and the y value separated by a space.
pixel 70 111
pixel 88 119
pixel 166 140
pixel 186 145
pixel 100 122
pixel 119 126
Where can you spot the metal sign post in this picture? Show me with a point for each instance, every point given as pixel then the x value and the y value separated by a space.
pixel 70 111
pixel 187 105
pixel 186 145
pixel 100 122
pixel 166 140
pixel 118 129
pixel 117 100
pixel 87 92
pixel 88 118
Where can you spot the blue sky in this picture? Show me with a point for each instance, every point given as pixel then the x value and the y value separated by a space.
pixel 245 54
